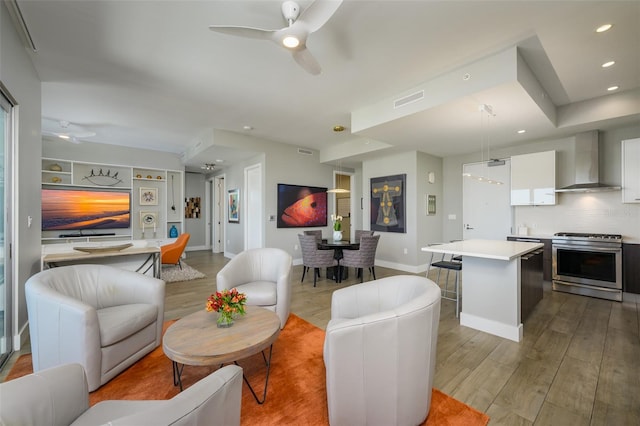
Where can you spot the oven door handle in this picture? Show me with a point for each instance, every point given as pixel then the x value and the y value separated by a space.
pixel 588 248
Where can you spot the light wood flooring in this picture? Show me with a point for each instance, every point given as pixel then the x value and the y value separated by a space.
pixel 578 364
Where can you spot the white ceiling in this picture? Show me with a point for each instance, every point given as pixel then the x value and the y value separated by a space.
pixel 150 74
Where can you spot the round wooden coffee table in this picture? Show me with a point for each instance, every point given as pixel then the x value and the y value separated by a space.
pixel 197 340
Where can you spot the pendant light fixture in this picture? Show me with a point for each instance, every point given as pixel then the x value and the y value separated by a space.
pixel 490 162
pixel 338 189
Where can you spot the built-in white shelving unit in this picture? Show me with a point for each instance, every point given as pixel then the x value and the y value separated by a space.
pixel 156 196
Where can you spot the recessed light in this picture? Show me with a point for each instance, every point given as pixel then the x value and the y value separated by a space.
pixel 247 127
pixel 603 28
pixel 338 128
pixel 608 64
pixel 612 88
pixel 219 160
pixel 521 131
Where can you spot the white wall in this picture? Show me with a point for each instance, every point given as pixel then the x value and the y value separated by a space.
pixel 19 77
pixel 601 212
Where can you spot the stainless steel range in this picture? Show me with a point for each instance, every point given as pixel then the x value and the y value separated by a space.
pixel 588 264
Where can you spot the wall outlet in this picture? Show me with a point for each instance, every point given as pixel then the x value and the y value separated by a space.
pixel 452 217
pixel 406 251
pixel 295 247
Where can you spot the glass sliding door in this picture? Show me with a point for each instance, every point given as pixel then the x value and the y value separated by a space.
pixel 6 135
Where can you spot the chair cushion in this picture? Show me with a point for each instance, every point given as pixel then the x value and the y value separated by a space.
pixel 119 322
pixel 259 293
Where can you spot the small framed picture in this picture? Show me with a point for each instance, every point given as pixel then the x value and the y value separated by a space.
pixel 148 196
pixel 234 205
pixel 148 219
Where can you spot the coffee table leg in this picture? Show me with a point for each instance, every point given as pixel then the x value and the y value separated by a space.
pixel 177 374
pixel 266 382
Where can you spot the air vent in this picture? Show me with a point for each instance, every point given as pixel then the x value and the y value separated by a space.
pixel 414 97
pixel 305 151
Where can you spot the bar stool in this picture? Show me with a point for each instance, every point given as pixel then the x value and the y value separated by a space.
pixel 453 263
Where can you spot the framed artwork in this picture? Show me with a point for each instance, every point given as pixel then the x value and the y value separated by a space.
pixel 301 206
pixel 148 196
pixel 234 205
pixel 431 204
pixel 388 203
pixel 148 219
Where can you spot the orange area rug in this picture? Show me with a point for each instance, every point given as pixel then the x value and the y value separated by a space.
pixel 296 392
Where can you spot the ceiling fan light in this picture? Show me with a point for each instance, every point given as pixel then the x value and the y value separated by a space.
pixel 290 41
pixel 63 136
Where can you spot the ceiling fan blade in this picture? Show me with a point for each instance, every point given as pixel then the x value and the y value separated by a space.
pixel 318 13
pixel 246 32
pixel 305 59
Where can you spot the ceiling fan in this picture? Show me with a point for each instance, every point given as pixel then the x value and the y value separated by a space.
pixel 63 129
pixel 294 36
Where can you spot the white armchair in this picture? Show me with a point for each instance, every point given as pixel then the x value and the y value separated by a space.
pixel 380 351
pixel 59 396
pixel 264 275
pixel 99 316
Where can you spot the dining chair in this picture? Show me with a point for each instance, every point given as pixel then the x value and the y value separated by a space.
pixel 449 263
pixel 364 257
pixel 360 233
pixel 314 258
pixel 317 233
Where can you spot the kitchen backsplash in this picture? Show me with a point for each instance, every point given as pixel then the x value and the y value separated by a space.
pixel 597 212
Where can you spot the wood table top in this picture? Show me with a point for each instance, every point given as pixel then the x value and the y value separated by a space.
pixel 197 340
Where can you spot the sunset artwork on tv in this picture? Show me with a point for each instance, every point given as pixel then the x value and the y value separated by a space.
pixel 71 209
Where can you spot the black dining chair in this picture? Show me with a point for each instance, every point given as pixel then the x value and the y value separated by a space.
pixel 364 257
pixel 314 258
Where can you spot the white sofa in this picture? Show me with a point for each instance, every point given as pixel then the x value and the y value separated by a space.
pixel 99 316
pixel 59 396
pixel 380 351
pixel 264 275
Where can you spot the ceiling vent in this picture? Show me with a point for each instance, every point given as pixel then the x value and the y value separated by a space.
pixel 414 97
pixel 303 151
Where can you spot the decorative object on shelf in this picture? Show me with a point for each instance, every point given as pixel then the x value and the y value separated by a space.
pixel 148 196
pixel 234 205
pixel 227 303
pixel 56 179
pixel 149 177
pixel 173 195
pixel 55 167
pixel 139 176
pixel 104 249
pixel 192 208
pixel 159 177
pixel 101 178
pixel 337 227
pixel 173 232
pixel 388 203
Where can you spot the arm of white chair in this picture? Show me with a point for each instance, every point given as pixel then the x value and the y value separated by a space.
pixel 54 396
pixel 213 401
pixel 232 274
pixel 356 301
pixel 63 330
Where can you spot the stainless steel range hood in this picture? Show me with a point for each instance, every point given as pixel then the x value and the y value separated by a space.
pixel 587 176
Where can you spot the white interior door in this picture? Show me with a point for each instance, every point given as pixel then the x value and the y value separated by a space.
pixel 486 207
pixel 253 207
pixel 218 215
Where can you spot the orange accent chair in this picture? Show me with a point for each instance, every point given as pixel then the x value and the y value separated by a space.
pixel 171 253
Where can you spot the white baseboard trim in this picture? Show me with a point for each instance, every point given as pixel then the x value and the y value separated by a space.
pixel 22 337
pixel 229 255
pixel 401 266
pixel 195 248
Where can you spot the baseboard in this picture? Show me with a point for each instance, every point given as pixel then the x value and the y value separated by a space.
pixel 22 337
pixel 402 267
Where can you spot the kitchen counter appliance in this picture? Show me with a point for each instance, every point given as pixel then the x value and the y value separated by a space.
pixel 588 264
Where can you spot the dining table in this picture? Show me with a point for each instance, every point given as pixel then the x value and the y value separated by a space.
pixel 338 247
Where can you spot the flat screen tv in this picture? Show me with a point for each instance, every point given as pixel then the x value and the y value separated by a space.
pixel 81 209
pixel 301 206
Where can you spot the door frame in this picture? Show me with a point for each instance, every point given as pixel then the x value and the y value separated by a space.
pixel 253 206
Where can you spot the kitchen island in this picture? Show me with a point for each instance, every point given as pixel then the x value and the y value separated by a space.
pixel 491 290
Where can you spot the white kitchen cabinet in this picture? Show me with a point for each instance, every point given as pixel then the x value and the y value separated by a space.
pixel 631 171
pixel 533 179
